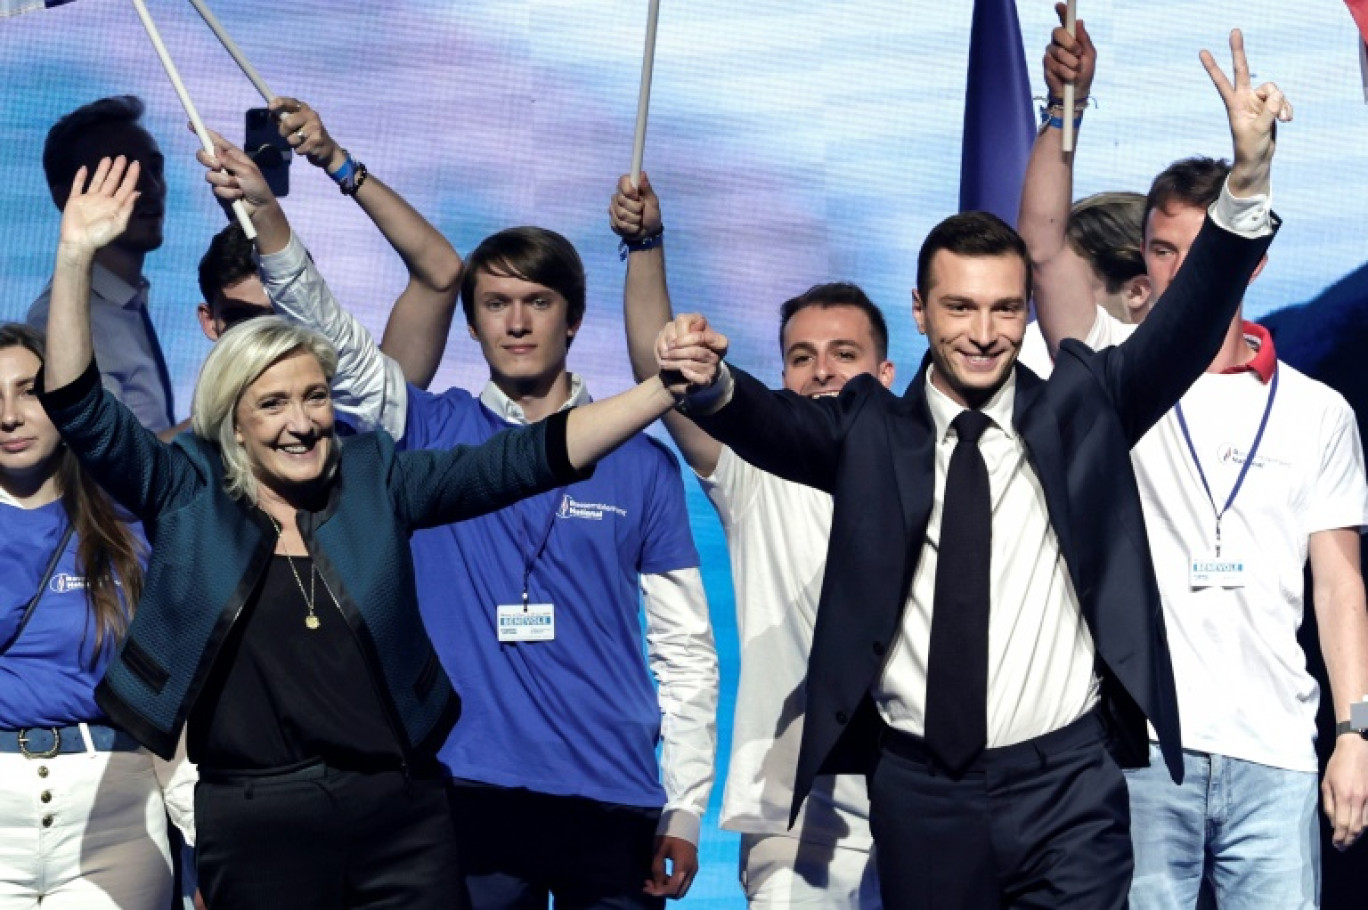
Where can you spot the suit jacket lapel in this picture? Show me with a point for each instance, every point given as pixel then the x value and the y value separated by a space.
pixel 912 438
pixel 1036 423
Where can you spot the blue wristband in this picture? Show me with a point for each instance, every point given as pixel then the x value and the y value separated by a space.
pixel 346 171
pixel 649 242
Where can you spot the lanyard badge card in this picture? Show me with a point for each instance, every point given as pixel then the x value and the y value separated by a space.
pixel 1222 568
pixel 527 622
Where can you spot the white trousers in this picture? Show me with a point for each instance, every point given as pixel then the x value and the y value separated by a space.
pixel 778 871
pixel 85 831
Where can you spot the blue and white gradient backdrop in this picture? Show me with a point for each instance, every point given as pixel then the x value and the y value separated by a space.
pixel 792 141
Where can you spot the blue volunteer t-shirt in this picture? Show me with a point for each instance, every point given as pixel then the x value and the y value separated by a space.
pixel 577 716
pixel 47 679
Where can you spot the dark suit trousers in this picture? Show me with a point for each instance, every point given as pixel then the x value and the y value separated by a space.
pixel 1040 824
pixel 325 839
pixel 522 850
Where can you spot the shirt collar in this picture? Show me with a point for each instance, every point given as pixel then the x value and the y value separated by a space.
pixel 108 286
pixel 998 408
pixel 1265 358
pixel 508 410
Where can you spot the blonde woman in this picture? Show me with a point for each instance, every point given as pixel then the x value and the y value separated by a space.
pixel 279 615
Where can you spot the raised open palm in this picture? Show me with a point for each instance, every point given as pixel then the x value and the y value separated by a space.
pixel 95 215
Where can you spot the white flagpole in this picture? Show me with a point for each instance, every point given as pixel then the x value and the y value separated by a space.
pixel 233 50
pixel 644 97
pixel 239 207
pixel 1070 26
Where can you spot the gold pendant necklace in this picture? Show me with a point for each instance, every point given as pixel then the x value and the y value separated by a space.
pixel 311 621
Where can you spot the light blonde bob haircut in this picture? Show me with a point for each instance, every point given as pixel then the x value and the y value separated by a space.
pixel 238 359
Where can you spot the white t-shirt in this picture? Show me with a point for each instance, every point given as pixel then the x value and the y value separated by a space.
pixel 1243 688
pixel 777 537
pixel 1035 352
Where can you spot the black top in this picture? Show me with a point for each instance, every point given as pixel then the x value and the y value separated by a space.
pixel 281 694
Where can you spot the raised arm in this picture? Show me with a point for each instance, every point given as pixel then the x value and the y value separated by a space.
pixel 127 459
pixel 1062 279
pixel 1179 339
pixel 785 434
pixel 95 216
pixel 635 216
pixel 368 387
pixel 420 320
pixel 438 487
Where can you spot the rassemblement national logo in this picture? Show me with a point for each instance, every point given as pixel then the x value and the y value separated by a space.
pixel 589 511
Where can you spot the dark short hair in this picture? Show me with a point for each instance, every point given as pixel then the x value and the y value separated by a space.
pixel 1194 182
pixel 1108 230
pixel 227 261
pixel 836 294
pixel 60 164
pixel 532 254
pixel 975 234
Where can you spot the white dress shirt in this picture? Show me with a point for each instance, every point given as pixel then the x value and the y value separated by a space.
pixel 1040 654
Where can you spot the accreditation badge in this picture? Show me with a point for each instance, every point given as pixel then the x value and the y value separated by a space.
pixel 526 622
pixel 1225 571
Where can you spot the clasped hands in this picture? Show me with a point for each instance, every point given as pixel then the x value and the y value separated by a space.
pixel 689 353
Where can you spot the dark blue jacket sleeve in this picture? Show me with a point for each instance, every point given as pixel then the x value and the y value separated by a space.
pixel 143 474
pixel 439 486
pixel 1150 371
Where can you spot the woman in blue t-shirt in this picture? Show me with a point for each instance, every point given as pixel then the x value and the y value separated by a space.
pixel 82 812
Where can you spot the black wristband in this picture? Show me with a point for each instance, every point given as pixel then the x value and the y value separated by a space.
pixel 1347 726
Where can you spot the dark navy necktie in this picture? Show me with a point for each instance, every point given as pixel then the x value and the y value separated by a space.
pixel 957 665
pixel 163 374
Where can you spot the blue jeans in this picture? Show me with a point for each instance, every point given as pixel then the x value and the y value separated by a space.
pixel 1249 829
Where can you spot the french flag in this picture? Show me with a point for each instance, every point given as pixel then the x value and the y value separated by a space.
pixel 998 126
pixel 15 7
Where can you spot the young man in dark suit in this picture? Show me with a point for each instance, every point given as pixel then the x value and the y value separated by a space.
pixel 989 633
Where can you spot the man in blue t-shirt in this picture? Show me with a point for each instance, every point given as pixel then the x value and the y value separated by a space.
pixel 535 610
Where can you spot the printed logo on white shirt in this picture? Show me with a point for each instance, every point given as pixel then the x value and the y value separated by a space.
pixel 1233 454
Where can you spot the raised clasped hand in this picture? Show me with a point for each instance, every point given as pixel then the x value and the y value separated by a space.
pixel 689 353
pixel 1254 113
pixel 96 213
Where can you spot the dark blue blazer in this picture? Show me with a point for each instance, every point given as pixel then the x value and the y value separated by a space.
pixel 209 551
pixel 875 453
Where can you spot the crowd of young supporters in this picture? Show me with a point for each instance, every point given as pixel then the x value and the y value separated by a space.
pixel 453 648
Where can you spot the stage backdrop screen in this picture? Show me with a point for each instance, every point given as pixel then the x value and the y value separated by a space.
pixel 791 141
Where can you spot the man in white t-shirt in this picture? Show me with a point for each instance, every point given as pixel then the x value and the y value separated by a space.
pixel 1257 469
pixel 777 536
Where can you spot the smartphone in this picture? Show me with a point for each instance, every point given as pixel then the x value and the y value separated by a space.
pixel 270 151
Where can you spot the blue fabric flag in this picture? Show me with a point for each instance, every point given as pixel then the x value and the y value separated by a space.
pixel 15 7
pixel 998 124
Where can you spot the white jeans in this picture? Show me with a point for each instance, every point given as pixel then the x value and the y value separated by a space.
pixel 778 871
pixel 85 831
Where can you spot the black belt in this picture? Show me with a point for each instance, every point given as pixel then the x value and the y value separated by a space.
pixel 45 742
